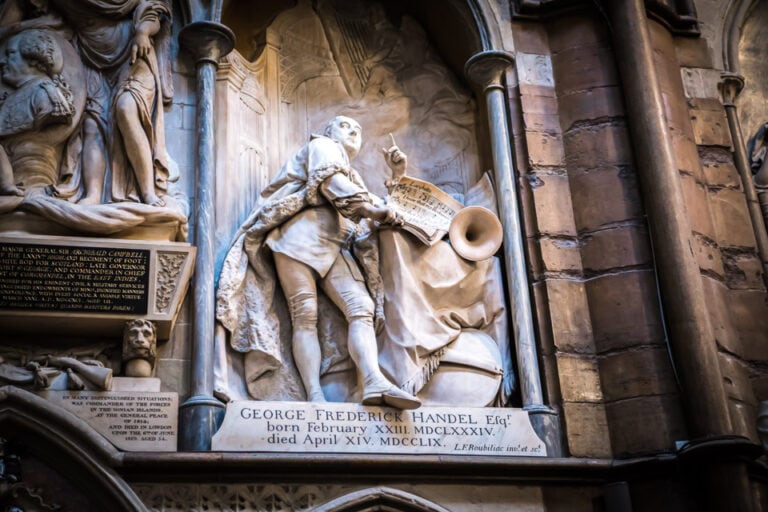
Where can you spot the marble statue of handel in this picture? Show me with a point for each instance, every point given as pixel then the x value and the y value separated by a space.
pixel 308 219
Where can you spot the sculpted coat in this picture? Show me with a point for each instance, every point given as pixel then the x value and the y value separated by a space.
pixel 245 297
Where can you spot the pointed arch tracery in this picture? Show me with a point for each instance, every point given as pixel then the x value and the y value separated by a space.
pixel 380 499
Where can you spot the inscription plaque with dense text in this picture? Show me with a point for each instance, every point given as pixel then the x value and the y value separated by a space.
pixel 74 279
pixel 132 421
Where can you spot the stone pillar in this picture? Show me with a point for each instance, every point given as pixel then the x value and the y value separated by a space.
pixel 486 70
pixel 723 482
pixel 201 413
pixel 690 332
pixel 730 87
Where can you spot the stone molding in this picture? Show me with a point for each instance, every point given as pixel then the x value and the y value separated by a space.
pixel 69 445
pixel 679 17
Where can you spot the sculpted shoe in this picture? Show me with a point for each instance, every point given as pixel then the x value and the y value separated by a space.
pixel 391 396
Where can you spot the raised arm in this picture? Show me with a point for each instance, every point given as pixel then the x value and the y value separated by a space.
pixel 397 161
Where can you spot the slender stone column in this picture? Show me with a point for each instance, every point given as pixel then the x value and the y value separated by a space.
pixel 730 87
pixel 486 70
pixel 201 413
pixel 691 336
pixel 720 476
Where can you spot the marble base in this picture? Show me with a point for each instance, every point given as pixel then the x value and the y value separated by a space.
pixel 148 384
pixel 132 421
pixel 352 428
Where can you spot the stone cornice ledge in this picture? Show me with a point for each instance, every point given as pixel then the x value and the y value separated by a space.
pixel 288 467
pixel 277 467
pixel 681 21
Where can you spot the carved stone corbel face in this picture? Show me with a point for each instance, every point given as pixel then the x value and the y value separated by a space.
pixel 139 348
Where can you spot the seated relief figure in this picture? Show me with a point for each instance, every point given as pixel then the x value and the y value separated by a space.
pixel 308 220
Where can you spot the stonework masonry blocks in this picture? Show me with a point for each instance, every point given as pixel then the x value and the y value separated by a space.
pixel 587 429
pixel 604 197
pixel 634 373
pixel 571 326
pixel 623 312
pixel 594 250
pixel 645 424
pixel 624 245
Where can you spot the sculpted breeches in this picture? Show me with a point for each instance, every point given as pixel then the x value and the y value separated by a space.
pixel 343 284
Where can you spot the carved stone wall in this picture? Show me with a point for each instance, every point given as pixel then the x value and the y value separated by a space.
pixel 595 254
pixel 609 373
pixel 350 59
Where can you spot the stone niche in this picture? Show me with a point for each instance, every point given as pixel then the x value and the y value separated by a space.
pixel 445 335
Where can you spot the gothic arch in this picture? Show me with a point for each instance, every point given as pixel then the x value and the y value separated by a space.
pixel 745 35
pixel 68 446
pixel 383 499
pixel 735 17
pixel 462 27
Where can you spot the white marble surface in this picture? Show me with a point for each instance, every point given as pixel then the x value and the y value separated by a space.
pixel 351 428
pixel 149 384
pixel 132 421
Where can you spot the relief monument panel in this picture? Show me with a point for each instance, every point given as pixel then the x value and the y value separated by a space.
pixel 339 285
pixel 94 264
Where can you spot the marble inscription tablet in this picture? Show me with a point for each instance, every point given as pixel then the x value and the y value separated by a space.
pixel 74 278
pixel 132 421
pixel 353 428
pixel 90 286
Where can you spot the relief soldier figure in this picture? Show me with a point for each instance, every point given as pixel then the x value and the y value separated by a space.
pixel 31 65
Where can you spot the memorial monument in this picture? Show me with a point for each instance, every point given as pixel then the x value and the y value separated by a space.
pixel 337 255
pixel 92 234
pixel 439 320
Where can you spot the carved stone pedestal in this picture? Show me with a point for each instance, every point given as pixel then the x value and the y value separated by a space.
pixel 351 428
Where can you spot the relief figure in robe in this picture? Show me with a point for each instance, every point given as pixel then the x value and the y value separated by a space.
pixel 119 152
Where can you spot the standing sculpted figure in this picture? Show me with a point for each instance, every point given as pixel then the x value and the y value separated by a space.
pixel 309 218
pixel 127 81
